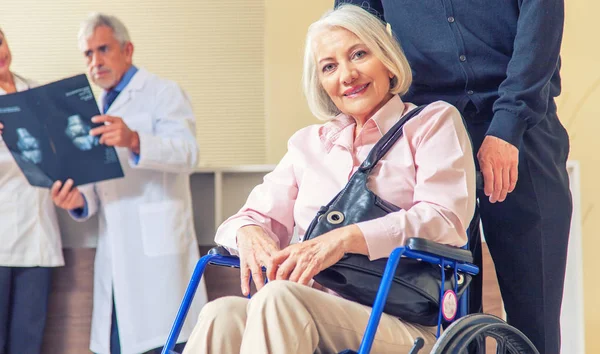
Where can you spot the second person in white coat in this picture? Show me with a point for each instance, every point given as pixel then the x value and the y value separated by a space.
pixel 147 247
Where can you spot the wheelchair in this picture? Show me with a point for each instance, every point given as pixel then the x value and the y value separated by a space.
pixel 463 334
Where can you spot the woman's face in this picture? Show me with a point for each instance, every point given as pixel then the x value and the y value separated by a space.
pixel 5 57
pixel 356 80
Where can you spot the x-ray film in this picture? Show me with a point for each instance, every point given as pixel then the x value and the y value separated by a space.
pixel 29 147
pixel 79 133
pixel 47 130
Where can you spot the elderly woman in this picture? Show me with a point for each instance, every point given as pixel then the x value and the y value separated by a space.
pixel 29 241
pixel 354 74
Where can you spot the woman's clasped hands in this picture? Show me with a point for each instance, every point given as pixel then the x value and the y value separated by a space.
pixel 298 262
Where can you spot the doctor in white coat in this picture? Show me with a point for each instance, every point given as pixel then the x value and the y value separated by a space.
pixel 147 246
pixel 30 244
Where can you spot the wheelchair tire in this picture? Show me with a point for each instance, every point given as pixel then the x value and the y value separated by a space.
pixel 472 330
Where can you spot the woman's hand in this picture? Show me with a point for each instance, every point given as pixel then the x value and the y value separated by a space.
pixel 256 249
pixel 301 262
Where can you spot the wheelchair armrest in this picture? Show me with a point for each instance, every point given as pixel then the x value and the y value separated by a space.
pixel 219 250
pixel 448 252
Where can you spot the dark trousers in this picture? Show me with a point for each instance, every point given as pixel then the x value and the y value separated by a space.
pixel 23 305
pixel 528 233
pixel 115 343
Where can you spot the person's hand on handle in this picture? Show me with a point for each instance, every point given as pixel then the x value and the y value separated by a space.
pixel 116 133
pixel 301 262
pixel 499 164
pixel 255 248
pixel 65 196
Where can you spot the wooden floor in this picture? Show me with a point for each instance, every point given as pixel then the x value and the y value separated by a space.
pixel 70 304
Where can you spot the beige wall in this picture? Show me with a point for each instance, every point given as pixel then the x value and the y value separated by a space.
pixel 580 113
pixel 286 110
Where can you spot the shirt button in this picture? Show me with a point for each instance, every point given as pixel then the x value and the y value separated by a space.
pixel 451 19
pixel 463 58
pixel 470 92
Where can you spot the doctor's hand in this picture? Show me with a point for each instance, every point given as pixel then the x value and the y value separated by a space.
pixel 301 262
pixel 1 127
pixel 255 248
pixel 67 197
pixel 499 163
pixel 116 133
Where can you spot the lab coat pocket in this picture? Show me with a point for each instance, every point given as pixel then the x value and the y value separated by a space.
pixel 163 228
pixel 8 225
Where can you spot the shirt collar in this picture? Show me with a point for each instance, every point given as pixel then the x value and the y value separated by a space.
pixel 20 83
pixel 384 119
pixel 388 115
pixel 126 79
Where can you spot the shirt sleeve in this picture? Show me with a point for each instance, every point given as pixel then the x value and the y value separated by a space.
pixel 444 193
pixel 80 213
pixel 91 203
pixel 270 205
pixel 525 93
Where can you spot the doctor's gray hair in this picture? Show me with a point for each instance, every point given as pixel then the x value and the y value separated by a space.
pixel 95 20
pixel 373 33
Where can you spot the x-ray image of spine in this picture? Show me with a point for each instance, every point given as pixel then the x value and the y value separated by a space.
pixel 29 146
pixel 79 133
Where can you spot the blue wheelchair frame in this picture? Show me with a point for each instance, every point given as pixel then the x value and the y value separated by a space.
pixel 443 261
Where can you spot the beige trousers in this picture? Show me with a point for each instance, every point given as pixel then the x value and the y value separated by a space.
pixel 285 317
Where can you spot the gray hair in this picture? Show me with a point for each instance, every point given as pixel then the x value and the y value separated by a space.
pixel 371 31
pixel 95 20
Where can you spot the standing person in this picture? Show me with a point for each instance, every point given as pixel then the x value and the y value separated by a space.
pixel 499 62
pixel 147 247
pixel 30 244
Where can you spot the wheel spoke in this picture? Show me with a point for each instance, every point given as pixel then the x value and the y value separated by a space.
pixel 500 346
pixel 471 332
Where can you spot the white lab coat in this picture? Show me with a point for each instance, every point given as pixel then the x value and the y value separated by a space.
pixel 147 247
pixel 29 234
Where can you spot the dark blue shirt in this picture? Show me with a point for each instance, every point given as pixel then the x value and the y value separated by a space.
pixel 111 95
pixel 501 55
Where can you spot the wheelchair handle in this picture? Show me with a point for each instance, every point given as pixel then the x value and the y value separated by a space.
pixel 478 180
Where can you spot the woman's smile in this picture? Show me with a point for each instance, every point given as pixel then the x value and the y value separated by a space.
pixel 356 90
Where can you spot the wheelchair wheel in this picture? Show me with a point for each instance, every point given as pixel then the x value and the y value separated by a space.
pixel 469 334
